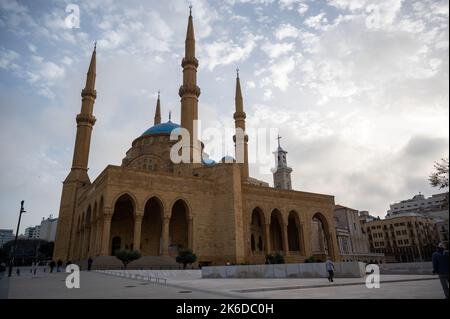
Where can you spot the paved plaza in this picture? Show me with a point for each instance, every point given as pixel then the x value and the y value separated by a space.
pixel 181 285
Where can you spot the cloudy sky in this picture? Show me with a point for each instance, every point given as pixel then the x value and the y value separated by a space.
pixel 357 88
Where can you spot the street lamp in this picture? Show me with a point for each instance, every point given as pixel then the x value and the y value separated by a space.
pixel 11 262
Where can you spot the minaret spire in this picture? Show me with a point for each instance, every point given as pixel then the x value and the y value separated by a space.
pixel 90 79
pixel 78 176
pixel 189 92
pixel 85 121
pixel 158 110
pixel 240 138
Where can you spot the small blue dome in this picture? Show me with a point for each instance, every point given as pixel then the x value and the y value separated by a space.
pixel 208 162
pixel 163 128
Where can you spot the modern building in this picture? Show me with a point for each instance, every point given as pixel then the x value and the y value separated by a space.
pixel 435 206
pixel 6 235
pixel 32 232
pixel 47 229
pixel 364 216
pixel 353 241
pixel 407 237
pixel 158 206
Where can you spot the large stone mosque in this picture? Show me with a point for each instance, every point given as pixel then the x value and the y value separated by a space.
pixel 157 207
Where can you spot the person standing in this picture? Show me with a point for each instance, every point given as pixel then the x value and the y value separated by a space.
pixel 330 269
pixel 52 265
pixel 59 264
pixel 90 261
pixel 440 266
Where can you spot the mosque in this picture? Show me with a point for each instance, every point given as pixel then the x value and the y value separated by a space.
pixel 156 206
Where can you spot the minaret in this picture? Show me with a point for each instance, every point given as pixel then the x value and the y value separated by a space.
pixel 85 122
pixel 78 176
pixel 158 110
pixel 189 91
pixel 240 143
pixel 281 173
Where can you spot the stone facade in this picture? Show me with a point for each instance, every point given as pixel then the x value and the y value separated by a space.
pixel 158 207
pixel 403 238
pixel 353 241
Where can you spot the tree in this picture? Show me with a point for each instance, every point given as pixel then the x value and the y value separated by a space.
pixel 46 250
pixel 127 256
pixel 275 258
pixel 311 259
pixel 440 177
pixel 3 255
pixel 185 257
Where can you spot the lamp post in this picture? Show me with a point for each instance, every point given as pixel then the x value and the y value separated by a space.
pixel 11 261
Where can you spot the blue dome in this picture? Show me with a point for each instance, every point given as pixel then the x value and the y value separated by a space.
pixel 163 128
pixel 208 162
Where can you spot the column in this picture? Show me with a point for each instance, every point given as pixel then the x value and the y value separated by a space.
pixel 137 231
pixel 285 239
pixel 268 245
pixel 106 234
pixel 98 237
pixel 191 233
pixel 165 236
pixel 92 238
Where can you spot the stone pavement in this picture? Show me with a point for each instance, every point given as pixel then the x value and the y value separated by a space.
pixel 189 285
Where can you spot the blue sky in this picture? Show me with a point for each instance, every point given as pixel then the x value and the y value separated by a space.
pixel 357 88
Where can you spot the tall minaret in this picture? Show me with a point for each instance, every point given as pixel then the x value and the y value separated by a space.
pixel 85 123
pixel 240 143
pixel 189 91
pixel 78 176
pixel 158 111
pixel 281 173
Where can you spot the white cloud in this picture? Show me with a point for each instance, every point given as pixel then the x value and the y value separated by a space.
pixel 7 58
pixel 226 52
pixel 286 31
pixel 275 50
pixel 317 22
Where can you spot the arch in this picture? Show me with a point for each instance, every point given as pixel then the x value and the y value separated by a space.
pixel 320 236
pixel 178 226
pixel 151 229
pixel 122 221
pixel 276 230
pixel 185 203
pixel 130 195
pixel 293 230
pixel 257 230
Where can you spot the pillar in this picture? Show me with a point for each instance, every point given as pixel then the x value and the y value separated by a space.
pixel 106 234
pixel 165 236
pixel 137 231
pixel 268 245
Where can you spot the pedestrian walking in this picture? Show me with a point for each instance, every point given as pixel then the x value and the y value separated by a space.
pixel 330 269
pixel 90 261
pixel 52 265
pixel 59 265
pixel 440 266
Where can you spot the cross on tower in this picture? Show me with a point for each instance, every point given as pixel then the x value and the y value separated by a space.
pixel 279 138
